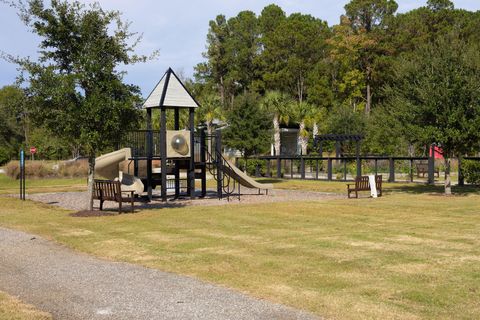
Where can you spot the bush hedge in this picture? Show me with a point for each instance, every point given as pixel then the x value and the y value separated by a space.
pixel 471 171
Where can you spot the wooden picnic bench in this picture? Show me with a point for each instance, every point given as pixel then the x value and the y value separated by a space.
pixel 362 183
pixel 422 168
pixel 108 190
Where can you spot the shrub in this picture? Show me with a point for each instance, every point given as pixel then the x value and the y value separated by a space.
pixel 42 169
pixel 38 169
pixel 471 171
pixel 4 156
pixel 252 166
pixel 73 169
pixel 12 169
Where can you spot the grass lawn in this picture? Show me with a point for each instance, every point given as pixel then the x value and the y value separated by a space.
pixel 13 309
pixel 11 186
pixel 406 255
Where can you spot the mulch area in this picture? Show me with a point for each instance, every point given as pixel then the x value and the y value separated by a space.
pixel 77 201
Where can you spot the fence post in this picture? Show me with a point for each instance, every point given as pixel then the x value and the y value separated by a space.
pixel 257 170
pixel 411 170
pixel 391 178
pixel 431 165
pixel 461 178
pixel 302 167
pixel 268 173
pixel 279 167
pixel 359 167
pixel 291 169
pixel 330 169
pixel 359 162
pixel 316 171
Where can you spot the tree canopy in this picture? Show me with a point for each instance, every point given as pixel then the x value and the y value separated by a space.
pixel 76 89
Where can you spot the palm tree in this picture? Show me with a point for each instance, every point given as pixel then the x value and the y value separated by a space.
pixel 305 114
pixel 276 104
pixel 210 109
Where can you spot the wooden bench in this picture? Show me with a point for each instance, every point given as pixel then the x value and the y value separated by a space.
pixel 362 183
pixel 108 190
pixel 423 169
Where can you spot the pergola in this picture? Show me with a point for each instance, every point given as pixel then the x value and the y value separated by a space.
pixel 339 138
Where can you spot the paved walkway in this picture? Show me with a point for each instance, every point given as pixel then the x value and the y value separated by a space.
pixel 72 285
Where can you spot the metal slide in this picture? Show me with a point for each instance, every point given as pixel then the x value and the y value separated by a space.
pixel 242 178
pixel 107 167
pixel 231 177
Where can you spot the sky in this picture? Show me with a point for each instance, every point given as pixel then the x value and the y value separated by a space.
pixel 176 28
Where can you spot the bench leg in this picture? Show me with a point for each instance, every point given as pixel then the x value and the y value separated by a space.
pixel 101 205
pixel 120 207
pixel 132 205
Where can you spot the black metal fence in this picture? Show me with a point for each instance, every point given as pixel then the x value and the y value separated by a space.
pixel 346 168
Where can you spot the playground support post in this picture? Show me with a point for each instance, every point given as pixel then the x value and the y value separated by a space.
pixel 203 161
pixel 176 126
pixel 218 160
pixel 163 152
pixel 149 153
pixel 191 168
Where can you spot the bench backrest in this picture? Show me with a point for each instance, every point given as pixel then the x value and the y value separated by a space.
pixel 107 190
pixel 378 182
pixel 362 183
pixel 422 166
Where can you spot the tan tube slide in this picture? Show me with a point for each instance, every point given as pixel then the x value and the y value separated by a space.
pixel 107 166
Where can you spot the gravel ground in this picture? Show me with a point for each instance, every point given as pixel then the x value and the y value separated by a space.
pixel 78 200
pixel 76 286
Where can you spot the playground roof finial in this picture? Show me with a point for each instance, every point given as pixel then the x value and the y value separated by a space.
pixel 170 92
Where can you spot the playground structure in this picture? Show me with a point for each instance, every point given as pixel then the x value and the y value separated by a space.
pixel 172 158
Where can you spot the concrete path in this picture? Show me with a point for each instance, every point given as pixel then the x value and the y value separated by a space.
pixel 72 285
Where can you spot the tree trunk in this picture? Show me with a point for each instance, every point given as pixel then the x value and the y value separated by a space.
pixel 209 137
pixel 222 91
pixel 302 138
pixel 448 182
pixel 315 129
pixel 91 172
pixel 369 100
pixel 276 134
